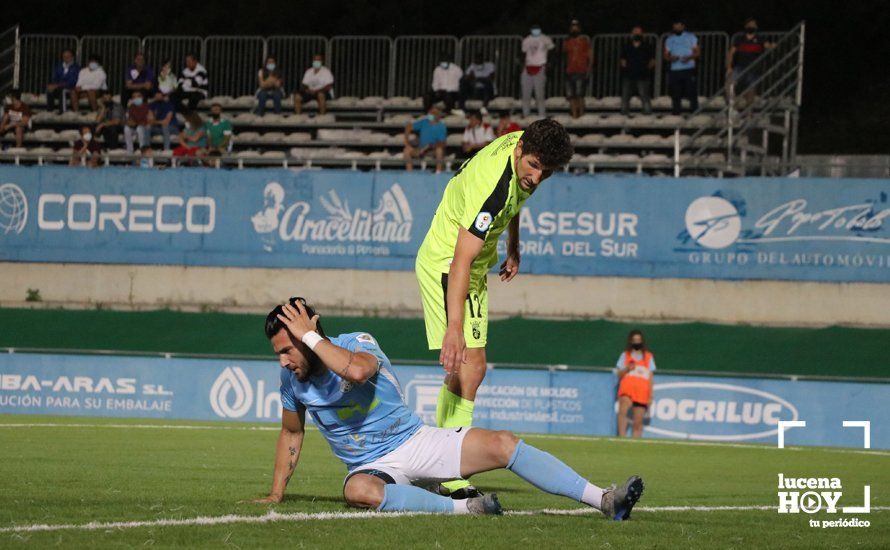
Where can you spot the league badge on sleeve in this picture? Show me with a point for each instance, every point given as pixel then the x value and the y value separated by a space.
pixel 483 221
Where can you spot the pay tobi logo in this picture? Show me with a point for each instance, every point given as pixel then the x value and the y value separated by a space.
pixel 717 412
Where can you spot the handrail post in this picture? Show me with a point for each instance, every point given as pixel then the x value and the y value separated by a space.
pixel 677 152
pixel 16 71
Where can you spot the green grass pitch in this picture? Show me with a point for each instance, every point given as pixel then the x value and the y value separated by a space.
pixel 81 470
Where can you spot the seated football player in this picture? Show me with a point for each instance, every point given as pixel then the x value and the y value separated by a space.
pixel 347 385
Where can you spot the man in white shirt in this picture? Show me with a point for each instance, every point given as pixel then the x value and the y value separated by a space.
pixel 478 81
pixel 317 83
pixel 477 134
pixel 536 46
pixel 445 86
pixel 90 80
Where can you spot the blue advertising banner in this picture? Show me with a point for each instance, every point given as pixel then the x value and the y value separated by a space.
pixel 532 401
pixel 746 228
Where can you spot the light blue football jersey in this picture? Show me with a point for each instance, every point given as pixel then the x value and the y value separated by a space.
pixel 361 422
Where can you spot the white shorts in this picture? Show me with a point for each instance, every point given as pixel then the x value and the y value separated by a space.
pixel 430 455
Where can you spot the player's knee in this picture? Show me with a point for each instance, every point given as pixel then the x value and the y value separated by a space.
pixel 505 444
pixel 363 491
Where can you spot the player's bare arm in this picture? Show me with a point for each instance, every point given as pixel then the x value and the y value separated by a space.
pixel 454 347
pixel 350 366
pixel 287 453
pixel 510 267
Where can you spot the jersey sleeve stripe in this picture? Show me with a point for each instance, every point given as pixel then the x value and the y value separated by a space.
pixel 494 203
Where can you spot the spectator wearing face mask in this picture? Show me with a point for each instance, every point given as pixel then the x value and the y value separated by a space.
pixel 65 74
pixel 90 81
pixel 478 81
pixel 636 61
pixel 317 85
pixel 579 63
pixel 192 86
pixel 138 124
pixel 139 76
pixel 109 119
pixel 270 87
pixel 16 117
pixel 744 51
pixel 86 150
pixel 681 50
pixel 445 85
pixel 425 136
pixel 635 369
pixel 219 132
pixel 536 46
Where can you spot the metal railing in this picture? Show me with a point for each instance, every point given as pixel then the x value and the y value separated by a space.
pixel 770 88
pixel 362 65
pixel 9 52
pixel 413 61
pixel 116 54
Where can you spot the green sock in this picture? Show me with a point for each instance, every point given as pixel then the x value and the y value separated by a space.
pixel 453 411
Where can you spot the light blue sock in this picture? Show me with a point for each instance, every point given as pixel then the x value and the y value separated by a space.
pixel 408 498
pixel 546 472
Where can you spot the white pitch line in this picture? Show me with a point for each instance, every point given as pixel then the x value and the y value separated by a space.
pixel 273 516
pixel 560 437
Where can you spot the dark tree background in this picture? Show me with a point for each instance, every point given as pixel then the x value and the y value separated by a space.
pixel 846 77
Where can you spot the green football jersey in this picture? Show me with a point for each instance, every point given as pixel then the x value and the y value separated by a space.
pixel 482 197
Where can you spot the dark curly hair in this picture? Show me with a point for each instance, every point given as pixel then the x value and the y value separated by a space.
pixel 274 324
pixel 549 141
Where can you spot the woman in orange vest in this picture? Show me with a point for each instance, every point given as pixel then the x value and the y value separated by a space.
pixel 635 368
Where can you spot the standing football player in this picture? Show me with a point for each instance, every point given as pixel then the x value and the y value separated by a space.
pixel 480 202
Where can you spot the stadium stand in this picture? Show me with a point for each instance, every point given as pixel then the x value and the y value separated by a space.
pixel 365 130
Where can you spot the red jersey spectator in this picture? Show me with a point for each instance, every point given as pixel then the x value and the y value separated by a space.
pixel 506 125
pixel 137 121
pixel 86 150
pixel 579 63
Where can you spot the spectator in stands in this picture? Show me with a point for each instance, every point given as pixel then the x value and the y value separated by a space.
pixel 477 134
pixel 86 150
pixel 634 369
pixel 16 116
pixel 426 136
pixel 192 138
pixel 219 132
pixel 445 86
pixel 146 157
pixel 636 61
pixel 317 83
pixel 65 73
pixel 162 118
pixel 138 124
pixel 536 47
pixel 743 52
pixel 139 77
pixel 91 80
pixel 681 50
pixel 478 81
pixel 579 63
pixel 109 120
pixel 270 87
pixel 506 125
pixel 192 85
pixel 167 82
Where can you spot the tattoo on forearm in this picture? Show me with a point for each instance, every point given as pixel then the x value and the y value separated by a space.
pixel 291 465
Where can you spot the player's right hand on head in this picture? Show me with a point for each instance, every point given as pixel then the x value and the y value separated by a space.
pixel 454 350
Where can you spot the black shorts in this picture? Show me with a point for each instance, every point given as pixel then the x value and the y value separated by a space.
pixel 307 96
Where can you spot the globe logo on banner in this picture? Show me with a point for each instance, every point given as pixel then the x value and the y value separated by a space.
pixel 713 222
pixel 231 395
pixel 13 209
